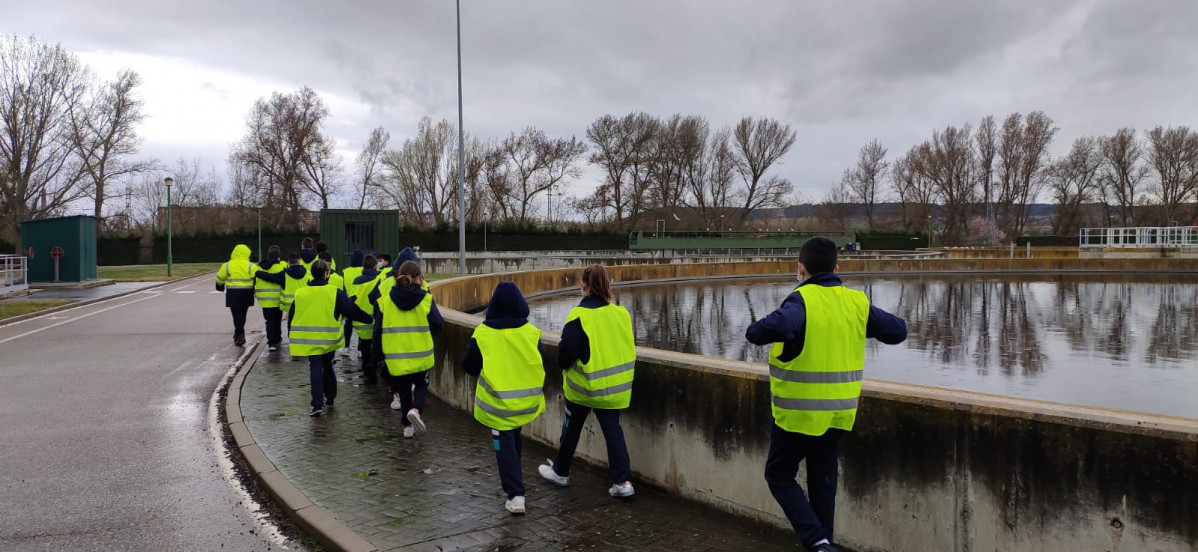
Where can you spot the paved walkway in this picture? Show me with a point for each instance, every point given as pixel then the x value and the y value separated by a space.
pixel 441 492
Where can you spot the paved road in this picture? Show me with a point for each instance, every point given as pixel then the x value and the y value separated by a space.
pixel 104 411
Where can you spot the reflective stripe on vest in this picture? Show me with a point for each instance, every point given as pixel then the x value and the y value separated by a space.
pixel 314 330
pixel 509 390
pixel 605 381
pixel 292 285
pixel 407 343
pixel 234 275
pixel 820 388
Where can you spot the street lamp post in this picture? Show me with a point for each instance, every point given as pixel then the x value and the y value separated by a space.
pixel 929 231
pixel 461 157
pixel 260 258
pixel 169 227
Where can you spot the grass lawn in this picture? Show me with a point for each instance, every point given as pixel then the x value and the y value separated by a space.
pixel 9 309
pixel 155 273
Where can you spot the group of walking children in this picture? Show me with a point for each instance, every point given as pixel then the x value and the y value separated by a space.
pixel 396 320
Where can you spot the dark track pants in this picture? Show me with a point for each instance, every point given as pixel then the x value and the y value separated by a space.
pixel 322 378
pixel 239 314
pixel 812 520
pixel 613 434
pixel 508 447
pixel 274 325
pixel 412 389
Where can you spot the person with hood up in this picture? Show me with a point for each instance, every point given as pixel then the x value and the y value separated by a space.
pixel 269 295
pixel 388 280
pixel 598 353
pixel 236 279
pixel 405 321
pixel 505 354
pixel 362 286
pixel 314 331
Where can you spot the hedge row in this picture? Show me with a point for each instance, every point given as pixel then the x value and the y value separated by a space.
pixel 892 242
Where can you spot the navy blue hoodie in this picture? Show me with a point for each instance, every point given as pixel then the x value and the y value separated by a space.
pixel 308 255
pixel 296 271
pixel 406 299
pixel 507 310
pixel 575 345
pixel 368 274
pixel 356 258
pixel 406 255
pixel 788 324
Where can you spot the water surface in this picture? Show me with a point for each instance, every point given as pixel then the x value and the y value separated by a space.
pixel 1114 341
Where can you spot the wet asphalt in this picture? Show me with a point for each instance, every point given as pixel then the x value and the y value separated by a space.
pixel 105 418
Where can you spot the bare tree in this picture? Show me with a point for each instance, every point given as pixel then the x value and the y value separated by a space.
pixel 41 87
pixel 1023 149
pixel 712 177
pixel 759 143
pixel 246 187
pixel 1173 155
pixel 1073 180
pixel 862 180
pixel 322 167
pixel 1123 171
pixel 621 149
pixel 285 144
pixel 538 163
pixel 986 141
pixel 104 134
pixel 837 206
pixel 948 163
pixel 914 190
pixel 676 148
pixel 421 173
pixel 370 164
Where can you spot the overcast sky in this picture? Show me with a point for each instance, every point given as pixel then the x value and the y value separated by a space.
pixel 840 72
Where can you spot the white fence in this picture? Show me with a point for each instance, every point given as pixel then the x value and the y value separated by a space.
pixel 1140 237
pixel 14 274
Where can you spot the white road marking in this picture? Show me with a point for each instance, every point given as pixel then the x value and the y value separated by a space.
pixel 80 317
pixel 189 291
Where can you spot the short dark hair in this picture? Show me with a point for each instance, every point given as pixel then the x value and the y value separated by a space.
pixel 385 257
pixel 324 256
pixel 293 258
pixel 274 251
pixel 370 262
pixel 306 244
pixel 321 247
pixel 818 255
pixel 320 269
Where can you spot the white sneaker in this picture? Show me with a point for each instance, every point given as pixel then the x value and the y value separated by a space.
pixel 408 432
pixel 622 490
pixel 417 422
pixel 395 404
pixel 515 505
pixel 551 476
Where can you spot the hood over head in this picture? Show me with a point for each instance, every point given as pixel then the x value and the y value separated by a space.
pixel 308 255
pixel 356 258
pixel 240 253
pixel 507 303
pixel 406 255
pixel 296 271
pixel 407 298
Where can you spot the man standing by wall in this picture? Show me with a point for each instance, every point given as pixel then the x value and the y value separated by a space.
pixel 816 364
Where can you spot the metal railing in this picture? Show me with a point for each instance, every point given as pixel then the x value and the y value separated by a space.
pixel 14 274
pixel 1139 237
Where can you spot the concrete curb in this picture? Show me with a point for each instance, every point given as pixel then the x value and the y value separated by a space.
pixel 87 302
pixel 316 521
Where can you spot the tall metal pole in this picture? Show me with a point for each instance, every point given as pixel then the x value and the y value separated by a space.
pixel 461 158
pixel 260 258
pixel 169 230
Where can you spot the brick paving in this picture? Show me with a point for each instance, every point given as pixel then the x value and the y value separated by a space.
pixel 441 492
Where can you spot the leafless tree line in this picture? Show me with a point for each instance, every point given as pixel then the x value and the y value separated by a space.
pixel 1000 171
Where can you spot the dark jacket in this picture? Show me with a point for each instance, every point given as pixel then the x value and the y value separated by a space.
pixel 507 310
pixel 575 345
pixel 295 271
pixel 308 255
pixel 344 306
pixel 788 324
pixel 408 254
pixel 269 262
pixel 356 257
pixel 406 299
pixel 238 297
pixel 368 274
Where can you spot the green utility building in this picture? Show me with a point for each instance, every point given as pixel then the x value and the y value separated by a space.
pixel 72 239
pixel 369 230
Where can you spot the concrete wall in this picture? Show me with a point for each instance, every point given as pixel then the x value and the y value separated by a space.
pixel 925 468
pixel 494 263
pixel 1021 252
pixel 1139 253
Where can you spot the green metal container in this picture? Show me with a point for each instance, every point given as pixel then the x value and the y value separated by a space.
pixel 74 237
pixel 369 230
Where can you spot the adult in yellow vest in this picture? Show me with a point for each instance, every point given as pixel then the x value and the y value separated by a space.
pixel 348 275
pixel 270 296
pixel 817 360
pixel 362 286
pixel 505 354
pixel 314 331
pixel 236 279
pixel 598 353
pixel 405 321
pixel 293 277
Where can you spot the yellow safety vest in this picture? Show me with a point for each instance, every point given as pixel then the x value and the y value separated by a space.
pixel 407 343
pixel 509 390
pixel 349 275
pixel 314 330
pixel 269 294
pixel 293 285
pixel 237 274
pixel 362 300
pixel 387 281
pixel 819 389
pixel 605 381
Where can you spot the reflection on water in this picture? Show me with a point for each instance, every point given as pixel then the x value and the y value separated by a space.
pixel 1115 341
